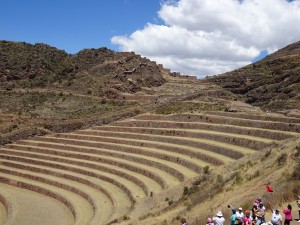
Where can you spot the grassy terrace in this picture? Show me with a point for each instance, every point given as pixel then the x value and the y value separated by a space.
pixel 27 207
pixel 103 173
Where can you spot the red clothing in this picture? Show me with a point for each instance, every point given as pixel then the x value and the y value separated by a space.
pixel 246 220
pixel 288 214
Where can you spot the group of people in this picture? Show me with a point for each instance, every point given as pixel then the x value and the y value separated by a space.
pixel 255 216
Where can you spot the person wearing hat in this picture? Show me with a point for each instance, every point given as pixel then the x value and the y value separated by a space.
pixel 219 219
pixel 247 220
pixel 276 217
pixel 239 216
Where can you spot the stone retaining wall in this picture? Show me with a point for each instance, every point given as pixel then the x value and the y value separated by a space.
pixel 166 139
pixel 144 172
pixel 207 126
pixel 109 145
pixel 53 183
pixel 240 141
pixel 226 120
pixel 255 117
pixel 131 142
pixel 42 191
pixel 85 172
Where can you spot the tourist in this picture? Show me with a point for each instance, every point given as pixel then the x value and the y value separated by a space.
pixel 276 217
pixel 219 219
pixel 247 220
pixel 240 216
pixel 209 221
pixel 288 215
pixel 262 210
pixel 298 203
pixel 233 217
pixel 254 213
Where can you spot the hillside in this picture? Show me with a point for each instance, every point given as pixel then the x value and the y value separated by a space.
pixel 102 137
pixel 272 83
pixel 24 65
pixel 45 89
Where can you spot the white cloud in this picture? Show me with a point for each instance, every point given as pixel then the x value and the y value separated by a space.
pixel 206 37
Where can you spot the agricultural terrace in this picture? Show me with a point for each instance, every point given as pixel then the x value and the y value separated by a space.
pixel 102 174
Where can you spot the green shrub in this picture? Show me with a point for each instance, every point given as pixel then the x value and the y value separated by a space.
pixel 206 169
pixel 296 172
pixel 126 217
pixel 297 153
pixel 200 180
pixel 103 101
pixel 267 154
pixel 185 191
pixel 281 159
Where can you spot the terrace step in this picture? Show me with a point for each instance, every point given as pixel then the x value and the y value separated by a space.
pixel 256 132
pixel 181 154
pixel 164 177
pixel 275 118
pixel 114 201
pixel 240 140
pixel 222 119
pixel 107 184
pixel 81 210
pixel 107 181
pixel 179 162
pixel 58 161
pixel 101 208
pixel 218 151
pixel 30 208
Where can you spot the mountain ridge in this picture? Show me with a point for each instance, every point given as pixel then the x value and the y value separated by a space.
pixel 272 83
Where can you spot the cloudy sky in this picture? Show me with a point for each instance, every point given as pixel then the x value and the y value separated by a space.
pixel 206 37
pixel 195 37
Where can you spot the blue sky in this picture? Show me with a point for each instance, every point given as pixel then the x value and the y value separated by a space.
pixel 194 37
pixel 73 25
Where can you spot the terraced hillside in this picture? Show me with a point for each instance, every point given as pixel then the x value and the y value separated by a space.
pixel 106 174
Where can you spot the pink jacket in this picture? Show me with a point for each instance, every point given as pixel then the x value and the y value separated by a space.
pixel 288 214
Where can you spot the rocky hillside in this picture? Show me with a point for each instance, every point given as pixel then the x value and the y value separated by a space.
pixel 45 89
pixel 272 83
pixel 101 72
